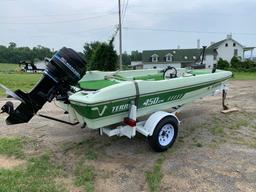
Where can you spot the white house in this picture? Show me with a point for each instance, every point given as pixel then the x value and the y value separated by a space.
pixel 225 49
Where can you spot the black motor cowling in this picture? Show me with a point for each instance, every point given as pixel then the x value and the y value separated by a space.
pixel 65 68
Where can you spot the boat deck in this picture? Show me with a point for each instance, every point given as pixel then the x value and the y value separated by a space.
pixel 102 83
pixel 99 84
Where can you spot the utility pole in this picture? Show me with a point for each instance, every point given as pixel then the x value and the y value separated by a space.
pixel 120 37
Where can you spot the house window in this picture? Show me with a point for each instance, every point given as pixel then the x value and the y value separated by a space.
pixel 234 44
pixel 168 57
pixel 235 52
pixel 226 45
pixel 154 58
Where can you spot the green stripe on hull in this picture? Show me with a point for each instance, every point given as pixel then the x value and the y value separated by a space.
pixel 120 106
pixel 93 112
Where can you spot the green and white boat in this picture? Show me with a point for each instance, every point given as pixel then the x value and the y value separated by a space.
pixel 106 96
pixel 113 101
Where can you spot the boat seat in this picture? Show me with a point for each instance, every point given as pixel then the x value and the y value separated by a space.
pixel 97 84
pixel 154 77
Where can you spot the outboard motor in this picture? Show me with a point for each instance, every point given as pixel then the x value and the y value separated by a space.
pixel 64 69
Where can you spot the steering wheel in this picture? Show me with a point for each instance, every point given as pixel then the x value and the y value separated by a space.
pixel 170 72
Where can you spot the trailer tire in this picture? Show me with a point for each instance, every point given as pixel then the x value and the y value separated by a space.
pixel 164 134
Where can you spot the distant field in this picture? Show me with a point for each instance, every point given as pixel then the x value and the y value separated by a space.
pixel 9 68
pixel 11 77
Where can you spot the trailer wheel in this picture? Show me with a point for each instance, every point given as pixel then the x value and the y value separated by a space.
pixel 164 134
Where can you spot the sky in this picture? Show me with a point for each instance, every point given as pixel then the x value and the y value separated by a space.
pixel 147 24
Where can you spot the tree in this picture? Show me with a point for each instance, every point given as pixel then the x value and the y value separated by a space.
pixel 12 45
pixel 222 64
pixel 3 54
pixel 136 56
pixel 126 58
pixel 14 54
pixel 101 56
pixel 89 48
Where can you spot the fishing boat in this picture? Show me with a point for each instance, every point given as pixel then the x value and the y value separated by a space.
pixel 106 96
pixel 113 101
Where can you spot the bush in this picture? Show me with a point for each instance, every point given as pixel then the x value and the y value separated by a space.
pixel 246 66
pixel 222 64
pixel 235 62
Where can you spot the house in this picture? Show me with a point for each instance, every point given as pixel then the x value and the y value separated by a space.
pixel 225 49
pixel 170 57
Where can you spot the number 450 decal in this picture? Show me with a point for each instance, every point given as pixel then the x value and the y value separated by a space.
pixel 152 101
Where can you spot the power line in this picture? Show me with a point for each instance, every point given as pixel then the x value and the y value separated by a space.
pixel 66 33
pixel 183 31
pixel 56 22
pixel 123 7
pixel 124 12
pixel 166 13
pixel 81 13
pixel 115 32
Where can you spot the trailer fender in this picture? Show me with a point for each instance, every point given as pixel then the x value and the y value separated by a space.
pixel 154 119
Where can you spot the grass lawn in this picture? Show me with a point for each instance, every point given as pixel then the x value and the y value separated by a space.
pixel 37 174
pixel 244 76
pixel 11 77
pixel 9 68
pixel 155 176
pixel 11 146
pixel 18 81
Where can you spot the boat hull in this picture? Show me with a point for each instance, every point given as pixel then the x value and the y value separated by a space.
pixel 111 105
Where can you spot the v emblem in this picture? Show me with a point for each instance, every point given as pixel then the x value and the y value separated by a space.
pixel 98 110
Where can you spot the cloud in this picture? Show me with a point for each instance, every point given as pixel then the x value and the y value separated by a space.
pixel 57 23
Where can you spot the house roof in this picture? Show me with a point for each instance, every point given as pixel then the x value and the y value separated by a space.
pixel 248 48
pixel 178 55
pixel 155 55
pixel 216 45
pixel 211 48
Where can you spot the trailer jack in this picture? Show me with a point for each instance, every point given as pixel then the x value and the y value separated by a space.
pixel 224 96
pixel 226 109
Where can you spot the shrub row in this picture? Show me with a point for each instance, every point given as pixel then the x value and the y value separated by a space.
pixel 236 64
